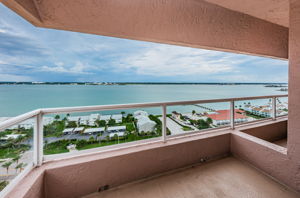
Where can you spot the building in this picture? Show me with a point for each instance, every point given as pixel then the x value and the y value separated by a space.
pixel 93 118
pixel 176 115
pixel 68 131
pixel 106 118
pixel 119 134
pixel 91 131
pixel 117 118
pixel 11 136
pixel 78 130
pixel 222 117
pixel 114 129
pixel 144 124
pixel 140 113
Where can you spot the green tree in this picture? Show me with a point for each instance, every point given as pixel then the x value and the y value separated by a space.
pixel 16 159
pixel 3 184
pixel 20 166
pixel 112 122
pixel 193 112
pixel 57 117
pixel 209 120
pixel 72 124
pixel 91 139
pixel 101 123
pixel 202 124
pixel 6 165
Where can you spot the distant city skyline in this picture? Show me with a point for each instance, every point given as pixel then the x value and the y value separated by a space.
pixel 32 54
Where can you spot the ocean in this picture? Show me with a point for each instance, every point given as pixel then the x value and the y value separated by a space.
pixel 18 99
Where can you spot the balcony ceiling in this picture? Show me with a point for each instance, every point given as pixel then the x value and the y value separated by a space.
pixel 274 11
pixel 231 25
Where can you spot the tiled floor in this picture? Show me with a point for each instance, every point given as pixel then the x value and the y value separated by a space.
pixel 227 177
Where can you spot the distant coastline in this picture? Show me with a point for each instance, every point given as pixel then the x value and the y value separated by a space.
pixel 141 83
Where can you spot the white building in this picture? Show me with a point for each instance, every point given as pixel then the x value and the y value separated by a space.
pixel 115 129
pixel 119 134
pixel 145 124
pixel 11 136
pixel 117 117
pixel 140 113
pixel 78 130
pixel 106 118
pixel 48 120
pixel 94 130
pixel 68 131
pixel 93 118
pixel 73 119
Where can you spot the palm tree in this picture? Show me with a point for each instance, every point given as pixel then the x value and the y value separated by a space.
pixel 193 112
pixel 16 159
pixel 20 166
pixel 7 165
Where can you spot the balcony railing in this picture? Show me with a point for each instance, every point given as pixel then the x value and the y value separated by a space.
pixel 236 106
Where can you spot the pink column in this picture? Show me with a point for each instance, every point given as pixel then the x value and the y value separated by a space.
pixel 294 83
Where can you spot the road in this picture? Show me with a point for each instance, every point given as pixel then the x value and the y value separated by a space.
pixel 174 127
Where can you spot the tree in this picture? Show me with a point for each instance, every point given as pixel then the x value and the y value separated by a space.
pixel 7 165
pixel 209 120
pixel 57 117
pixel 123 113
pixel 91 139
pixel 72 124
pixel 3 184
pixel 16 159
pixel 101 123
pixel 107 138
pixel 193 112
pixel 202 124
pixel 20 166
pixel 112 122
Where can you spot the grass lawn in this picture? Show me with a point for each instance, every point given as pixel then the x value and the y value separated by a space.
pixel 186 128
pixel 95 145
pixel 56 150
pixel 12 152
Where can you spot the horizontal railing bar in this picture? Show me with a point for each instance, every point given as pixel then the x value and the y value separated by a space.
pixel 143 105
pixel 15 120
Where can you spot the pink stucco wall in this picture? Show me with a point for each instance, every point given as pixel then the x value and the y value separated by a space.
pixel 80 176
pixel 194 23
pixel 84 178
pixel 271 133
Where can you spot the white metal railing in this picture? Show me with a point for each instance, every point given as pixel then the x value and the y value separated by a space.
pixel 39 113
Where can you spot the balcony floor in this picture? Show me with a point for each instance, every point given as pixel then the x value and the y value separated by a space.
pixel 282 142
pixel 227 177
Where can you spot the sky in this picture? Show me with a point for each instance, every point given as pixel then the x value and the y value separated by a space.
pixel 28 53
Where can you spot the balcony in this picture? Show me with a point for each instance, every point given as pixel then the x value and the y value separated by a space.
pixel 184 147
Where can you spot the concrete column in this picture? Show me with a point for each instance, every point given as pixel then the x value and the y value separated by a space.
pixel 294 83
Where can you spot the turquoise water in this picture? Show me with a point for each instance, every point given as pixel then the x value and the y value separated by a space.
pixel 18 99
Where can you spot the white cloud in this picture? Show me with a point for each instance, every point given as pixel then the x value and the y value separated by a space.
pixel 15 78
pixel 78 68
pixel 165 60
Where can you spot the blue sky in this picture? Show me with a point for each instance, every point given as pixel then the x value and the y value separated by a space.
pixel 28 53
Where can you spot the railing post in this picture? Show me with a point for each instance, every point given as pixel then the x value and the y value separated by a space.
pixel 164 123
pixel 232 114
pixel 38 140
pixel 274 108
